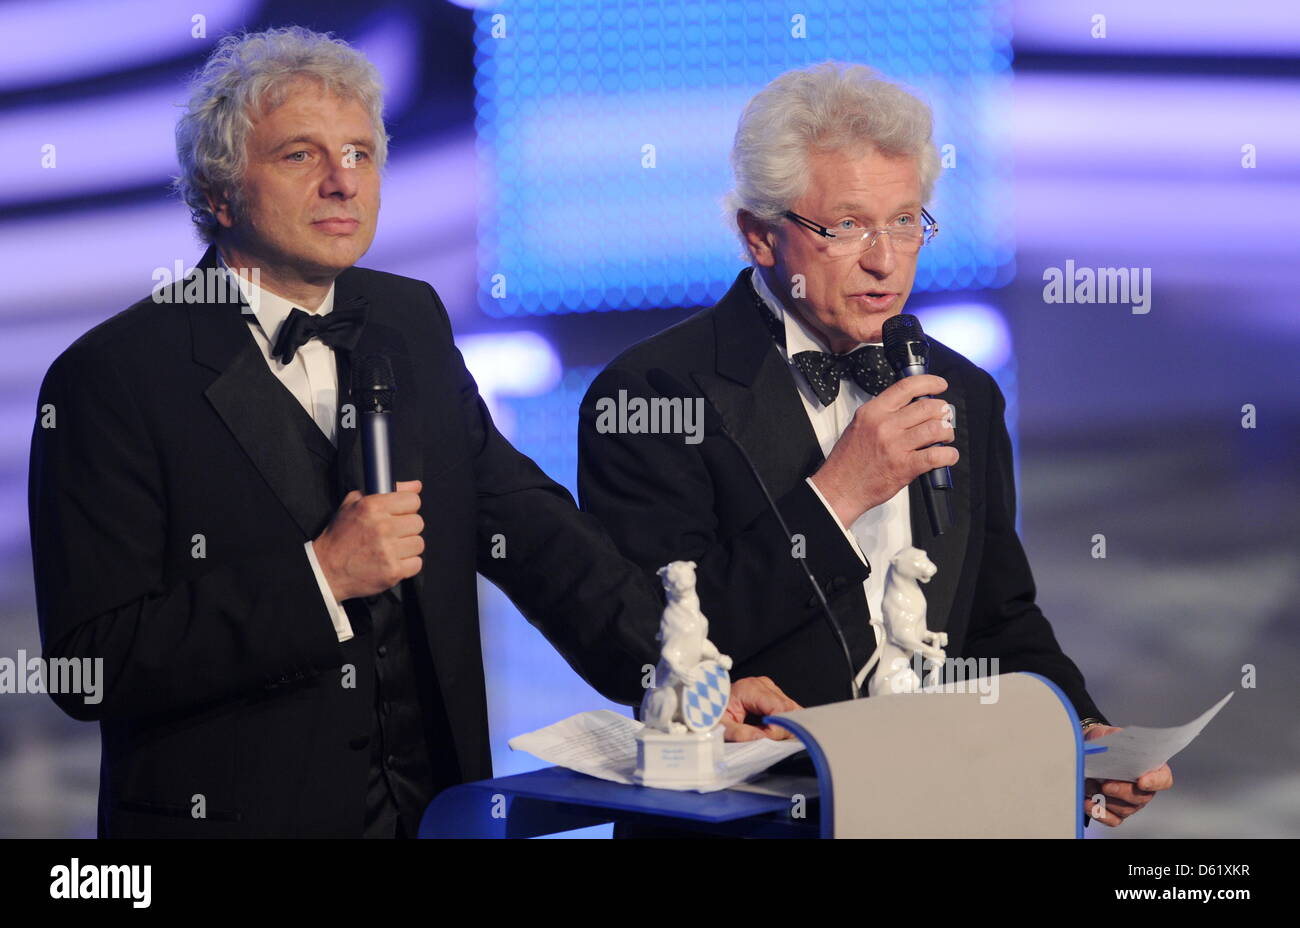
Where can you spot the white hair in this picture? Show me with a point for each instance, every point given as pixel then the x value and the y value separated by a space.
pixel 252 70
pixel 829 106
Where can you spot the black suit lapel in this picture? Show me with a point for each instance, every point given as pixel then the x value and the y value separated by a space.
pixel 754 392
pixel 947 551
pixel 256 406
pixel 268 423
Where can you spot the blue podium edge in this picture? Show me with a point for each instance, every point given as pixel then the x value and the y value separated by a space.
pixel 1073 717
pixel 825 791
pixel 559 784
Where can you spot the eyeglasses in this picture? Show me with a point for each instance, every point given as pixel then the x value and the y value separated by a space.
pixel 855 239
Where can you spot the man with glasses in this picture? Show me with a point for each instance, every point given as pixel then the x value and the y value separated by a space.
pixel 833 168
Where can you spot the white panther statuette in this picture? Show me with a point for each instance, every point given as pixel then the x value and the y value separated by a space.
pixel 903 621
pixel 691 685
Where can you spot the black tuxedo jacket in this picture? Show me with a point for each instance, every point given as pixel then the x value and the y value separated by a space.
pixel 222 672
pixel 664 499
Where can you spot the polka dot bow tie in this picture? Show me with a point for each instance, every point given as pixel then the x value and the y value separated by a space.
pixel 866 365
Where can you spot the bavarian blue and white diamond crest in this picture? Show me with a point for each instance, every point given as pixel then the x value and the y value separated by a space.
pixel 705 696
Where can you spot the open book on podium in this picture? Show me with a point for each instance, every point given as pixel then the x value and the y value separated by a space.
pixel 948 762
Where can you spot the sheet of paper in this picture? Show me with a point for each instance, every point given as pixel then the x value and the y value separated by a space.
pixel 1135 750
pixel 603 744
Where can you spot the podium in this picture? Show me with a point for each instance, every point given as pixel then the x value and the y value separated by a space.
pixel 948 762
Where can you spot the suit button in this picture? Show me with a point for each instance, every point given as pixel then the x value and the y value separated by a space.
pixel 390 760
pixel 383 651
pixel 359 742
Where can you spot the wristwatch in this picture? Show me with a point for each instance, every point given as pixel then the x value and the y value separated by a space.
pixel 1089 722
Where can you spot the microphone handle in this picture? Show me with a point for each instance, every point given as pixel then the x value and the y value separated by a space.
pixel 937 505
pixel 935 484
pixel 378 467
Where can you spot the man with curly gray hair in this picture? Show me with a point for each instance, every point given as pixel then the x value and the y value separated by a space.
pixel 271 115
pixel 283 655
pixel 834 167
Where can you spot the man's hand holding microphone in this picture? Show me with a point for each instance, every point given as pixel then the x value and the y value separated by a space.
pixel 373 542
pixel 889 443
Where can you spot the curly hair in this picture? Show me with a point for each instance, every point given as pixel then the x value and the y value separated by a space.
pixel 252 70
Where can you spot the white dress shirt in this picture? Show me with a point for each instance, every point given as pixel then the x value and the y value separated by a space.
pixel 313 380
pixel 880 532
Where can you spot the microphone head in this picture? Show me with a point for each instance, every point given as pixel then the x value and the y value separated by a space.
pixel 905 343
pixel 373 385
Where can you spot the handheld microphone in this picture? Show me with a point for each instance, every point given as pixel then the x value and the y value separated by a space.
pixel 668 385
pixel 908 352
pixel 373 388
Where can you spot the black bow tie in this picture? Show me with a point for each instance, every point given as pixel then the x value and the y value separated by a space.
pixel 338 329
pixel 866 365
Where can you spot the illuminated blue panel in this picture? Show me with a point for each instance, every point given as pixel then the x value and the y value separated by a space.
pixel 979 332
pixel 546 426
pixel 576 100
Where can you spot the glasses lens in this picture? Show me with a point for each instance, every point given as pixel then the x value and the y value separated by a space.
pixel 846 243
pixel 906 240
